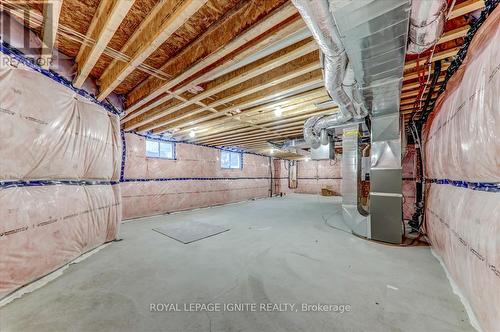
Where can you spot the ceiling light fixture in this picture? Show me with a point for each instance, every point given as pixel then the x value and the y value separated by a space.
pixel 278 111
pixel 192 134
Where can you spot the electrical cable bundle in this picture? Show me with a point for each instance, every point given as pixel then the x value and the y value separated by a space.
pixel 415 125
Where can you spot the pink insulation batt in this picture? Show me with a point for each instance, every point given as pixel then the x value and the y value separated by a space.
pixel 49 133
pixel 197 179
pixel 462 143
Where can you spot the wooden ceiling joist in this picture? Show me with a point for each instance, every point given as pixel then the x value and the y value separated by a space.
pixel 437 56
pixel 51 14
pixel 286 104
pixel 284 32
pixel 271 125
pixel 261 138
pixel 243 93
pixel 238 79
pixel 219 45
pixel 249 136
pixel 191 122
pixel 454 34
pixel 227 130
pixel 167 20
pixel 465 8
pixel 416 85
pixel 105 22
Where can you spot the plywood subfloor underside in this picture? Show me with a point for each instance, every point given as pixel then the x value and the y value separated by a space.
pixel 278 250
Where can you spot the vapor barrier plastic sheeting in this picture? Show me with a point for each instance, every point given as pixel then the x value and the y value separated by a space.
pixel 49 132
pixel 194 179
pixel 191 161
pixel 462 143
pixel 463 140
pixel 142 199
pixel 462 225
pixel 43 228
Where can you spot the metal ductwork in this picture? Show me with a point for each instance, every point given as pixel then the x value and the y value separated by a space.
pixel 355 216
pixel 338 73
pixel 372 35
pixel 426 24
pixel 297 146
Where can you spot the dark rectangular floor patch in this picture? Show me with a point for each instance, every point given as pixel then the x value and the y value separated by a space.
pixel 190 231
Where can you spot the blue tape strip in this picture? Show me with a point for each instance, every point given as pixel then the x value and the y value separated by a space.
pixel 40 183
pixel 196 179
pixel 481 186
pixel 221 178
pixel 124 156
pixel 6 49
pixel 317 178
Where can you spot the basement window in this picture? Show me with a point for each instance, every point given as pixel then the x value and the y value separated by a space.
pixel 231 160
pixel 159 149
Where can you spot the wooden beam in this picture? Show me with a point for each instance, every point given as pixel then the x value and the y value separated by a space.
pixel 301 100
pixel 236 80
pixel 437 56
pixel 465 8
pixel 249 131
pixel 305 110
pixel 215 43
pixel 231 97
pixel 261 138
pixel 273 125
pixel 412 100
pixel 105 22
pixel 454 34
pixel 51 13
pixel 166 21
pixel 267 120
pixel 413 75
pixel 253 135
pixel 417 84
pixel 190 122
pixel 284 32
pixel 229 62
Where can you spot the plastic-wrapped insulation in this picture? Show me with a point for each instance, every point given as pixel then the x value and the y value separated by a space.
pixel 426 24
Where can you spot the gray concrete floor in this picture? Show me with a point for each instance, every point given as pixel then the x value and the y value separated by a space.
pixel 278 250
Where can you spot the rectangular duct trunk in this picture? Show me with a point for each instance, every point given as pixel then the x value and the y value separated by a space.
pixel 386 197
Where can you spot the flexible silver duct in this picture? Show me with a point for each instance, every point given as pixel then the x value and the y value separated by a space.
pixel 426 24
pixel 338 74
pixel 309 135
pixel 352 89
